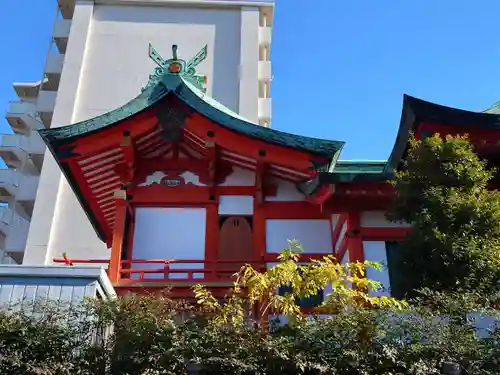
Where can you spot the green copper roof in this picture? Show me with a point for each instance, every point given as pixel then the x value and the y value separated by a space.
pixel 201 103
pixel 415 111
pixel 360 166
pixel 357 171
pixel 185 85
pixel 495 109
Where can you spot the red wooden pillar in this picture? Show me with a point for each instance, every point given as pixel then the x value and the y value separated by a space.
pixel 259 232
pixel 259 219
pixel 212 237
pixel 119 238
pixel 354 238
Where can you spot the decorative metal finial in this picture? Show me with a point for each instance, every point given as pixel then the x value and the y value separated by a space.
pixel 187 70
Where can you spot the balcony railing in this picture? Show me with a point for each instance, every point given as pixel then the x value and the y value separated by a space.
pixel 54 64
pixel 265 70
pixel 32 144
pixel 265 35
pixel 172 270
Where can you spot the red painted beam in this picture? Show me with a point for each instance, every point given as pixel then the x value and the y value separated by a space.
pixel 384 234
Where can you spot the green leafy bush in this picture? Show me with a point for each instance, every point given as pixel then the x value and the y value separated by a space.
pixel 151 334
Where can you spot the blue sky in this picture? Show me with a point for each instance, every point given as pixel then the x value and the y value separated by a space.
pixel 340 67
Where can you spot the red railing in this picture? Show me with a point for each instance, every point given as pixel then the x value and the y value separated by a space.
pixel 172 270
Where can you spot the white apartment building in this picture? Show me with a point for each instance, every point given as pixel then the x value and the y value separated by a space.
pixel 98 62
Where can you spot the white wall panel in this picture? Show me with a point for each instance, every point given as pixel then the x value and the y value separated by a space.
pixel 235 205
pixel 287 191
pixel 375 251
pixel 240 177
pixel 170 233
pixel 314 235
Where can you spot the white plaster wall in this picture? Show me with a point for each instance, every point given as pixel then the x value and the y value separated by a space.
pixel 287 192
pixel 249 51
pixel 240 177
pixel 169 233
pixel 117 65
pixel 314 235
pixel 235 205
pixel 45 240
pixel 375 251
pixel 191 178
pixel 376 219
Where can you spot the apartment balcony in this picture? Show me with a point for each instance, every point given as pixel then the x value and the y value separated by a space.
pixel 61 34
pixel 27 90
pixel 14 185
pixel 23 118
pixel 45 106
pixel 15 148
pixel 53 70
pixel 15 229
pixel 67 8
pixel 265 105
pixel 265 35
pixel 265 70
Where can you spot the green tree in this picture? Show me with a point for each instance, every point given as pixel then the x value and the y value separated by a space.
pixel 454 245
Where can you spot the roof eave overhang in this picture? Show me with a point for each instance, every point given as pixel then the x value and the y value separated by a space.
pixel 73 183
pixel 407 125
pixel 416 111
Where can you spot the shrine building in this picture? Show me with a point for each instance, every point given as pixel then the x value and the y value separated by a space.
pixel 166 171
pixel 183 190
